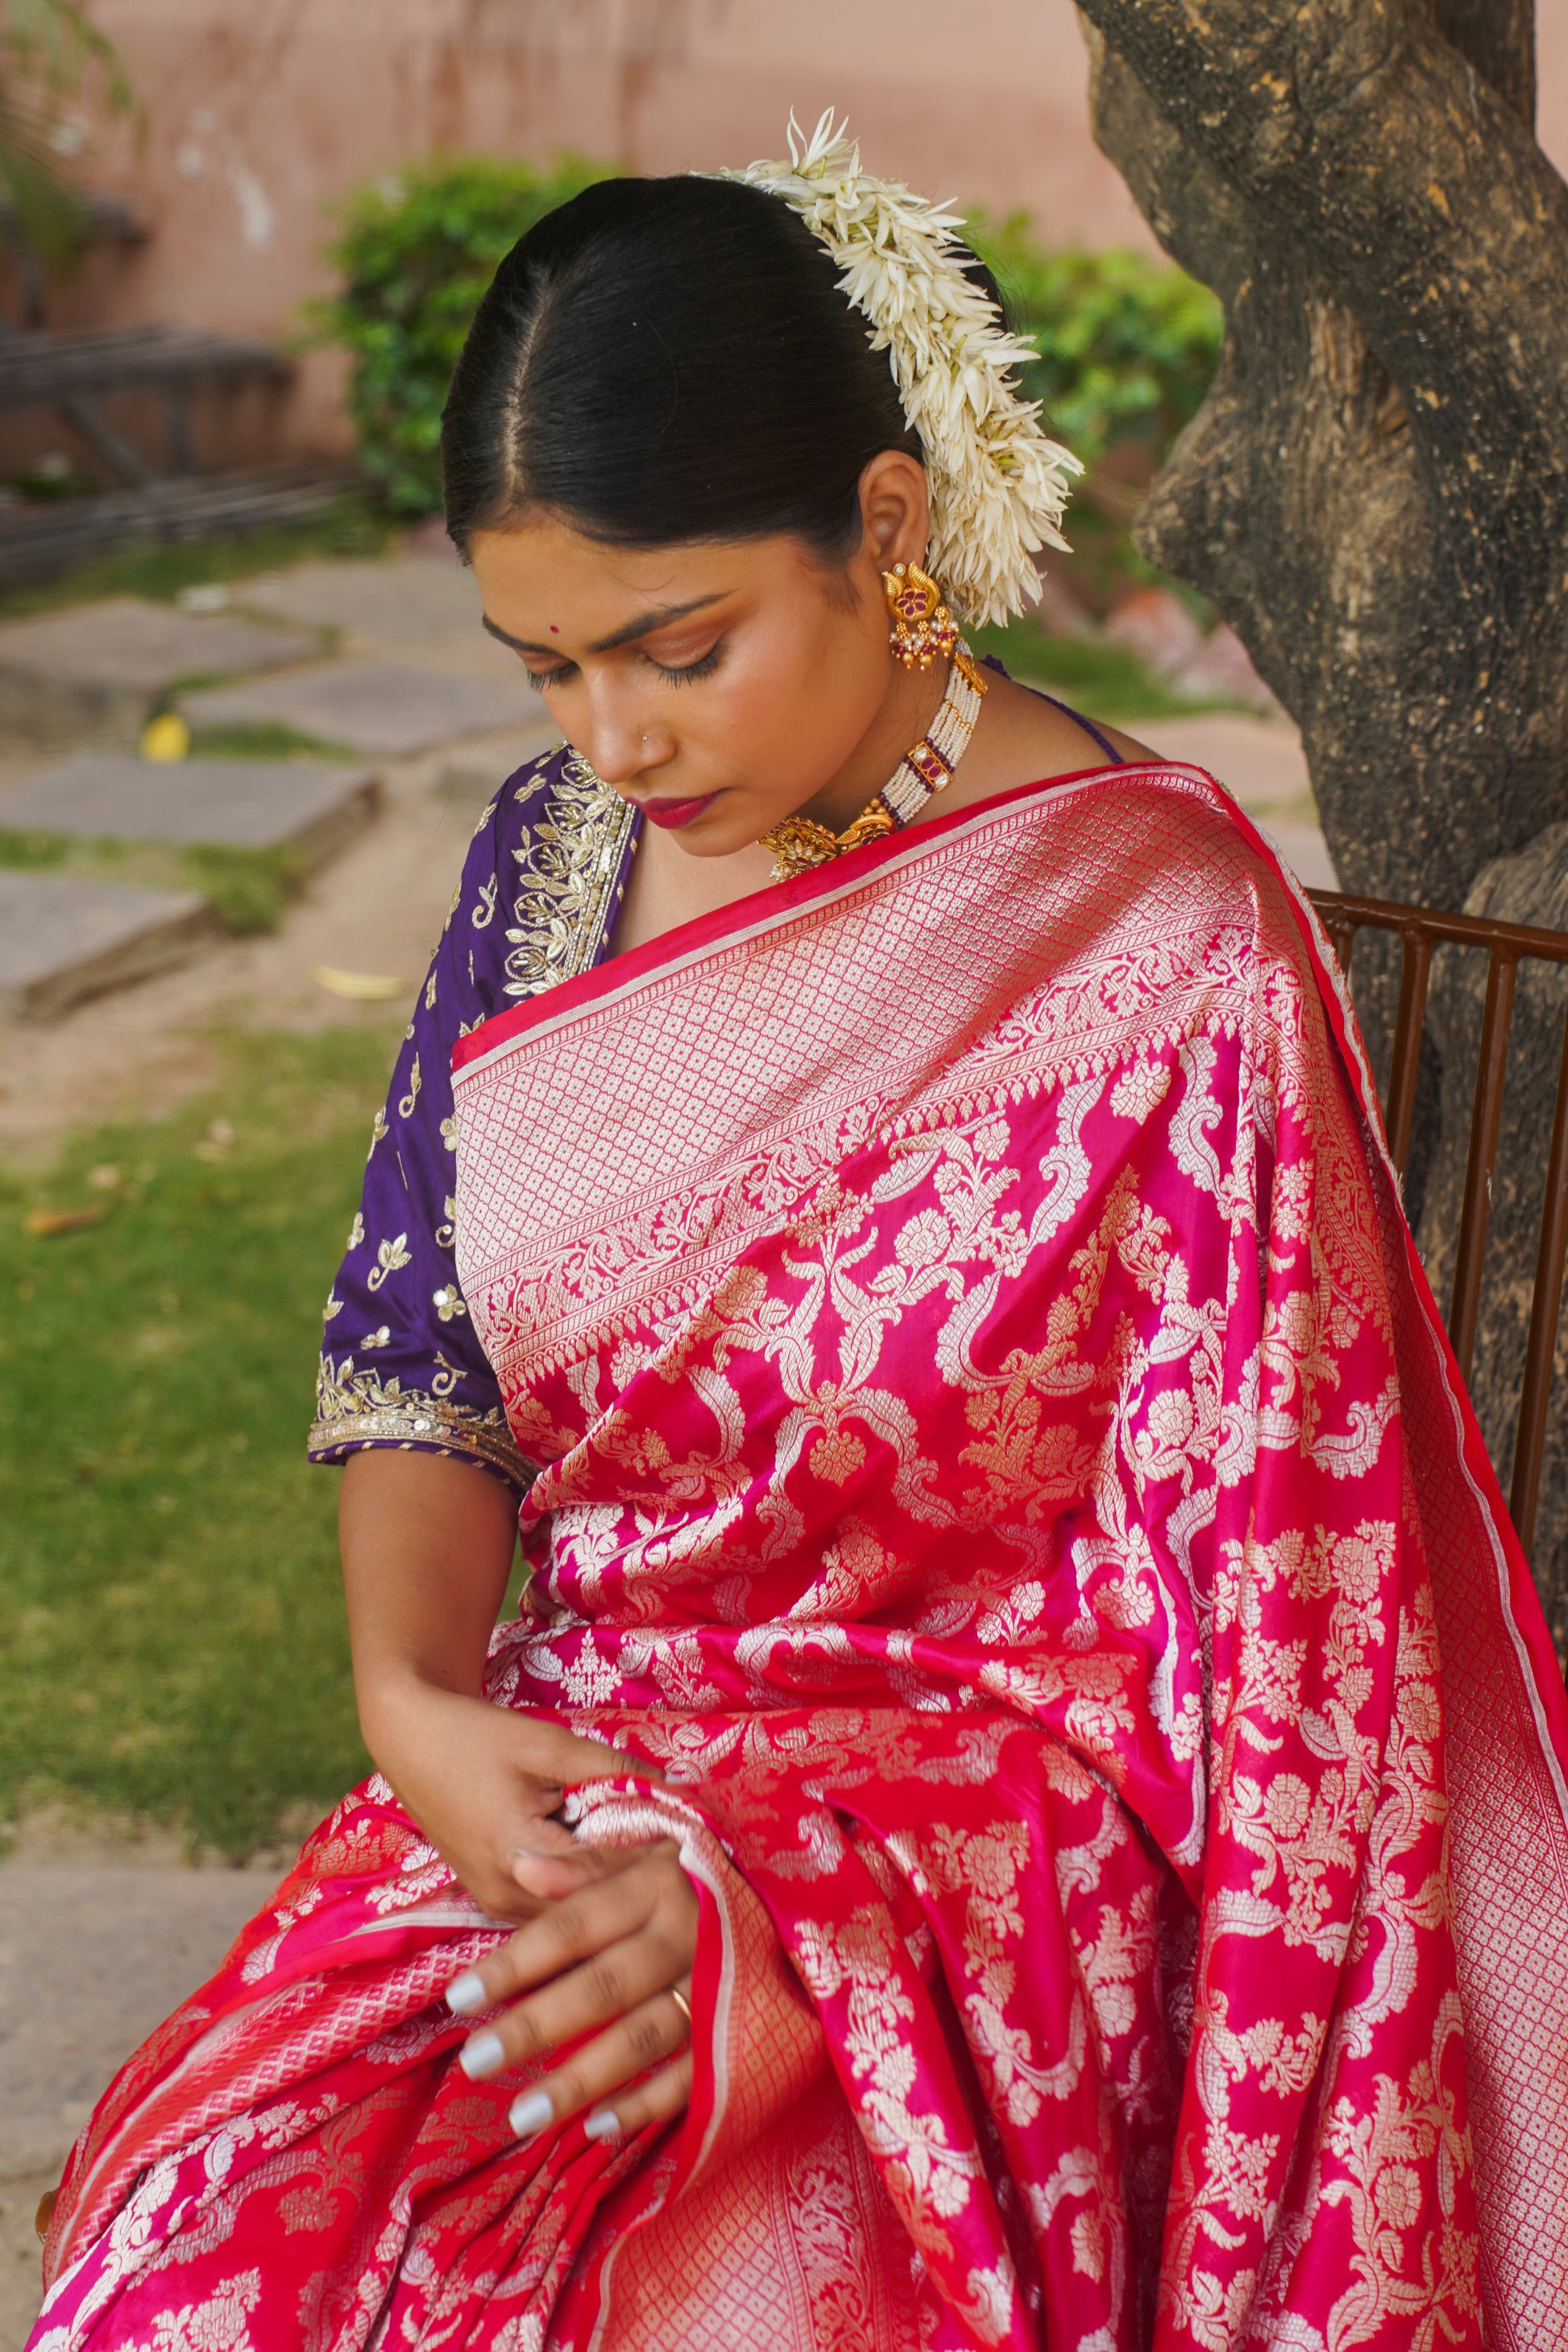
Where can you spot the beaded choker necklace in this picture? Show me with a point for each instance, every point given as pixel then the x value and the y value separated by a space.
pixel 799 843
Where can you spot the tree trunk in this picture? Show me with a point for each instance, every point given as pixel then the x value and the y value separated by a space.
pixel 1375 496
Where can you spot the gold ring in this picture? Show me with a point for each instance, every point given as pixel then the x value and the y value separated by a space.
pixel 682 2004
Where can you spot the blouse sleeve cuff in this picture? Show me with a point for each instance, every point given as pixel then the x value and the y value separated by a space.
pixel 357 1409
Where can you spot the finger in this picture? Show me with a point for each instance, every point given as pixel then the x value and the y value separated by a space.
pixel 609 1988
pixel 556 1754
pixel 664 2094
pixel 586 1927
pixel 590 1917
pixel 551 1869
pixel 637 2043
pixel 525 1825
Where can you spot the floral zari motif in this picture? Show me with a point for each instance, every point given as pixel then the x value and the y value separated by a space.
pixel 999 1467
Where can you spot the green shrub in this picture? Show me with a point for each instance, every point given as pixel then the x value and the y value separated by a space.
pixel 1127 346
pixel 415 254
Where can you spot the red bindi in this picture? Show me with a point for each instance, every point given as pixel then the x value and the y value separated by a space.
pixel 554 628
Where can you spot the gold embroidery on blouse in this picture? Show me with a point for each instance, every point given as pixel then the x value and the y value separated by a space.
pixel 406 1108
pixel 447 1234
pixel 377 1132
pixel 390 1258
pixel 447 1302
pixel 355 1408
pixel 570 861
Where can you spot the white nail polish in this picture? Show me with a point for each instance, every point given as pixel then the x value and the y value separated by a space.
pixel 481 2056
pixel 603 2123
pixel 467 1993
pixel 532 2113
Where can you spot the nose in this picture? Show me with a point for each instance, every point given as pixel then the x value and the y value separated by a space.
pixel 623 742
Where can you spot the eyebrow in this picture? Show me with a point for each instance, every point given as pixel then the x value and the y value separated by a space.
pixel 646 623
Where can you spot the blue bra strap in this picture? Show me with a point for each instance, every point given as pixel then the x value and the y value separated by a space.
pixel 989 661
pixel 1104 742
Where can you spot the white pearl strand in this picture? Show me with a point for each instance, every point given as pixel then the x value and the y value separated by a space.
pixel 907 792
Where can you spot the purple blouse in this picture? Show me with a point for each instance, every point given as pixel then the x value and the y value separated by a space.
pixel 544 876
pixel 401 1366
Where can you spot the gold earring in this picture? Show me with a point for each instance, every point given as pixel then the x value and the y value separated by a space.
pixel 922 627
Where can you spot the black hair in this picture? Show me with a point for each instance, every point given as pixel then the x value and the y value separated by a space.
pixel 665 360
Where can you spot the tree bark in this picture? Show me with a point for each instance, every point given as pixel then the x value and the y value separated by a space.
pixel 1375 494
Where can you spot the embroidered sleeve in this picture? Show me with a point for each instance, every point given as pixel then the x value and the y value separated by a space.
pixel 401 1364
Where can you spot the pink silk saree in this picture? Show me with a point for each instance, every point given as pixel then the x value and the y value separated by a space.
pixel 1002 1473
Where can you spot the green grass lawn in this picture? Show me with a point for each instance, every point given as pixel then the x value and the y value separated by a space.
pixel 171 1636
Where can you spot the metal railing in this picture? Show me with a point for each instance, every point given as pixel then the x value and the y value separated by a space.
pixel 1420 930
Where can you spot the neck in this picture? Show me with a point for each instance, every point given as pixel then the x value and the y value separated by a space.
pixel 911 702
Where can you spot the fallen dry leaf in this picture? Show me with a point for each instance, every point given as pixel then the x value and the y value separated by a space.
pixel 44 1222
pixel 359 987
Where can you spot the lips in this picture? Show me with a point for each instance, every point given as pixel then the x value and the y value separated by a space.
pixel 671 814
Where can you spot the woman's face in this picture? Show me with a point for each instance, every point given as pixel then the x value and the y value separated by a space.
pixel 721 686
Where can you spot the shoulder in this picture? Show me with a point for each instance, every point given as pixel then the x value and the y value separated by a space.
pixel 543 878
pixel 1162 846
pixel 505 830
pixel 521 801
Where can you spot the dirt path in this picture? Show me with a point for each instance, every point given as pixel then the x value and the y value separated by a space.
pixel 377 909
pixel 69 1897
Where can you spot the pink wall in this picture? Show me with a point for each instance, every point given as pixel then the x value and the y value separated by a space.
pixel 260 113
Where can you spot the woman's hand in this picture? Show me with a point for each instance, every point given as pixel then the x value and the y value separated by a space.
pixel 616 1954
pixel 428 1546
pixel 482 1784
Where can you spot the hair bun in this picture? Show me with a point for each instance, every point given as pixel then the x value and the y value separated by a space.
pixel 999 486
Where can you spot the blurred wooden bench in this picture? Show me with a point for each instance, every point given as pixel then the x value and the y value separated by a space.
pixel 149 495
pixel 180 513
pixel 1420 931
pixel 68 373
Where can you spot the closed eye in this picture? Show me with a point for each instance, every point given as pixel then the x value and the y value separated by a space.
pixel 681 674
pixel 704 666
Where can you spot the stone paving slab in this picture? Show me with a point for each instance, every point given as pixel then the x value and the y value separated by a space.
pixel 466 787
pixel 313 805
pixel 394 599
pixel 429 606
pixel 92 1957
pixel 62 940
pixel 90 673
pixel 373 707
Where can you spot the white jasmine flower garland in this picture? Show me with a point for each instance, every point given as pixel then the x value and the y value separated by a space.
pixel 998 485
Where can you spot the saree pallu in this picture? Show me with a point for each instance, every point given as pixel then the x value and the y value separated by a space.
pixel 1005 1490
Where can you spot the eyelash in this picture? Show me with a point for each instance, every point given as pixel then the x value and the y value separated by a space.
pixel 692 671
pixel 542 678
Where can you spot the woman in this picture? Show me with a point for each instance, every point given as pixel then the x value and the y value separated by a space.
pixel 1023 1804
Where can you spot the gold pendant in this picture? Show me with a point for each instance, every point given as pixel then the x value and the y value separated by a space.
pixel 800 844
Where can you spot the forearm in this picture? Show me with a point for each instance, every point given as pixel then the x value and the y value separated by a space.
pixel 427 1545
